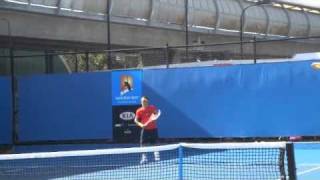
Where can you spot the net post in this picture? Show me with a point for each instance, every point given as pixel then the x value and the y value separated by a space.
pixel 291 161
pixel 180 162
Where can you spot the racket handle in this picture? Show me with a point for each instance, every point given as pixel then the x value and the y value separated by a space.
pixel 141 137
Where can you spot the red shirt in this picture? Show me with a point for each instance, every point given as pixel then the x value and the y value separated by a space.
pixel 144 114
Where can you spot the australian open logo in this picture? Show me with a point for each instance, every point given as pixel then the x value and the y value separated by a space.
pixel 126 87
pixel 126 84
pixel 127 116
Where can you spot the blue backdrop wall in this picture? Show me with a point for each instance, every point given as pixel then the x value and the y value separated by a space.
pixel 5 111
pixel 263 100
pixel 65 107
pixel 278 99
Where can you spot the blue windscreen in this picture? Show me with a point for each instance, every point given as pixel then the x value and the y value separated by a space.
pixel 5 111
pixel 65 107
pixel 276 99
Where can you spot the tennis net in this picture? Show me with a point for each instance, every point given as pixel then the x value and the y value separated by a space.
pixel 227 161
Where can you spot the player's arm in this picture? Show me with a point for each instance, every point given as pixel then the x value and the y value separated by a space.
pixel 155 115
pixel 136 120
pixel 156 111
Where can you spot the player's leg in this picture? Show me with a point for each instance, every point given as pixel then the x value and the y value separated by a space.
pixel 153 139
pixel 144 158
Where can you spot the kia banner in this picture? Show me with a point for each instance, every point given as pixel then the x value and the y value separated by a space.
pixel 124 128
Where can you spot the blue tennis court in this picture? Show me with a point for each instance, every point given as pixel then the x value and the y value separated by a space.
pixel 308 161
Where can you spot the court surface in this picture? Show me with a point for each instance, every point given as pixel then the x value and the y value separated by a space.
pixel 308 161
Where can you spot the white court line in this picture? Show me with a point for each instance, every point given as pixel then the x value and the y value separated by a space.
pixel 309 164
pixel 308 171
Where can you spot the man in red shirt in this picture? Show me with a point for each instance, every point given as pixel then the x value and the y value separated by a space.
pixel 149 131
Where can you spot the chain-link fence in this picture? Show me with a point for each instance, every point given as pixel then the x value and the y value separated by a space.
pixel 28 62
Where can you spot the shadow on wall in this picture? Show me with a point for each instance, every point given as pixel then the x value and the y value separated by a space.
pixel 173 121
pixel 265 100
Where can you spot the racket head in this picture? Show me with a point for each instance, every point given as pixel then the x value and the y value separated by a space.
pixel 155 116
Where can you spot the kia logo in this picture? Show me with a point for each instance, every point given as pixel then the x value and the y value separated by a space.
pixel 127 116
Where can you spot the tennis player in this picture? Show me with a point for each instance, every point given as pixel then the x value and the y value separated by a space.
pixel 146 117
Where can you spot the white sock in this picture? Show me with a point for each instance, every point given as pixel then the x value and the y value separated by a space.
pixel 144 158
pixel 156 156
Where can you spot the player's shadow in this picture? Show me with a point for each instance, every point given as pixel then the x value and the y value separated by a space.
pixel 174 123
